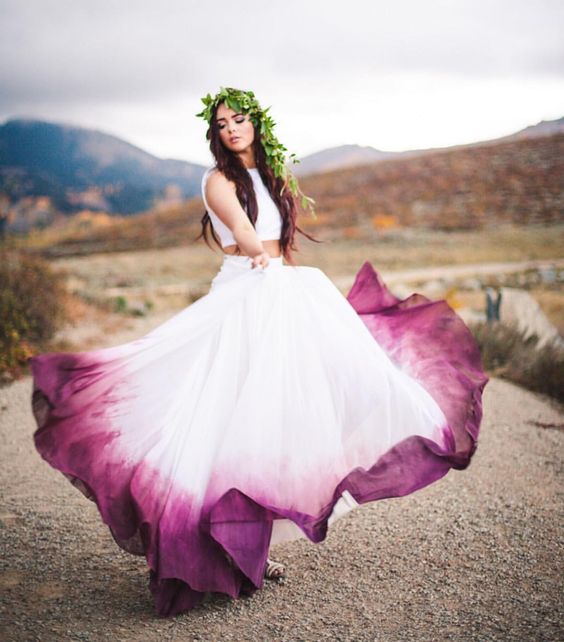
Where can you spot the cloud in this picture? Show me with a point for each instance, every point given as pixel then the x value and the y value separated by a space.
pixel 83 51
pixel 97 62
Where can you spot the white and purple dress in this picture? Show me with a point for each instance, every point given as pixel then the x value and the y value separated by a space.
pixel 259 414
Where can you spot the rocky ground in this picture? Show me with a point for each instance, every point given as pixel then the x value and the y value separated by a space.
pixel 475 556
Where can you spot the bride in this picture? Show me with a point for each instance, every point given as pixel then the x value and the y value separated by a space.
pixel 269 407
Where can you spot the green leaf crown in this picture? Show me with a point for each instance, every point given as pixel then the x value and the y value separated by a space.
pixel 244 102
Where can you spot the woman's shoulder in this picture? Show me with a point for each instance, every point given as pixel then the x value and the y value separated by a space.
pixel 208 172
pixel 214 177
pixel 216 185
pixel 213 172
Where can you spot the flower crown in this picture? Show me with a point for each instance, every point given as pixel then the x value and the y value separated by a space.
pixel 245 102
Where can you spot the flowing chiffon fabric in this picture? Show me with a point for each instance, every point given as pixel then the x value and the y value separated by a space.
pixel 259 414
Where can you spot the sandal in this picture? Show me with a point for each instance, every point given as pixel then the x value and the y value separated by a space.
pixel 274 570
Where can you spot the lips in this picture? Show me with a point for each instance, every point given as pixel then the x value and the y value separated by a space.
pixel 233 140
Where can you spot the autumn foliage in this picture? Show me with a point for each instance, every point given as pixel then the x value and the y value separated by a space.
pixel 32 308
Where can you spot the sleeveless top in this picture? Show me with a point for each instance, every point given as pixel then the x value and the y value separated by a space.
pixel 269 220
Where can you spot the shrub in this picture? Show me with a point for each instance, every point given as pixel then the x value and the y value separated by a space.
pixel 120 304
pixel 507 354
pixel 32 308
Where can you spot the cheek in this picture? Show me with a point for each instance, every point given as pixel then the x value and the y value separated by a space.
pixel 249 129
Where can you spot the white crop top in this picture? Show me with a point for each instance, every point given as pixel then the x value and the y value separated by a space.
pixel 269 220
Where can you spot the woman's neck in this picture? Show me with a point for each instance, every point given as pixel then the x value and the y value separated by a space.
pixel 248 159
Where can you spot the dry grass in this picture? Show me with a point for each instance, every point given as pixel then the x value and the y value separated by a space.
pixel 337 257
pixel 411 248
pixel 552 304
pixel 506 354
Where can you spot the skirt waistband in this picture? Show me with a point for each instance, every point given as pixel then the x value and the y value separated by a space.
pixel 243 260
pixel 234 265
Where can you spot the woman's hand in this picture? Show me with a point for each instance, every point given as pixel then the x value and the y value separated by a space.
pixel 261 260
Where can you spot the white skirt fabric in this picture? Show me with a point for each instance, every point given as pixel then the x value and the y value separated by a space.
pixel 256 415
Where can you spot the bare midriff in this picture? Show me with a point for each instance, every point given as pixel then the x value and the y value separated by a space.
pixel 270 246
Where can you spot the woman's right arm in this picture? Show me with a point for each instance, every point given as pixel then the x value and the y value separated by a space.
pixel 222 198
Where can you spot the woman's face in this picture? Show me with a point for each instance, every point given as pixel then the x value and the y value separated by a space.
pixel 236 131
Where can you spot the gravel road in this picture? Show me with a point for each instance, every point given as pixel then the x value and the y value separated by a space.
pixel 465 270
pixel 476 556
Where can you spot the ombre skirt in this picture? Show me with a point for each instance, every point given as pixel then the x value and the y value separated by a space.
pixel 259 414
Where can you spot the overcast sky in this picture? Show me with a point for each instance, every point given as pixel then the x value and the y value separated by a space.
pixel 400 74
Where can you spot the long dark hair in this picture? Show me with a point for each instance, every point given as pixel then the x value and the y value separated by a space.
pixel 233 169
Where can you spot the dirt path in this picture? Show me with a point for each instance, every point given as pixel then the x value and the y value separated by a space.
pixel 455 271
pixel 476 556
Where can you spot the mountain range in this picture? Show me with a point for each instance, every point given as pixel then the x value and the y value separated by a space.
pixel 50 168
pixel 349 155
pixel 81 168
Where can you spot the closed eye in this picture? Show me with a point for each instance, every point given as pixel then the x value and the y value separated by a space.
pixel 241 120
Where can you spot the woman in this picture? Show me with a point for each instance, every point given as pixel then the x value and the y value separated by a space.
pixel 268 408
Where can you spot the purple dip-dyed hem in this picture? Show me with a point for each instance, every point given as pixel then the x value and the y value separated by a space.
pixel 223 547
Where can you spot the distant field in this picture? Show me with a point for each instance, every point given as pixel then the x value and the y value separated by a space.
pixel 170 278
pixel 411 248
pixel 393 250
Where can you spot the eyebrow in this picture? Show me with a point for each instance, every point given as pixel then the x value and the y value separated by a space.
pixel 239 114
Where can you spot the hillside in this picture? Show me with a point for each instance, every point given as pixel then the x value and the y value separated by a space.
pixel 340 157
pixel 544 128
pixel 50 172
pixel 77 168
pixel 518 181
pixel 349 155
